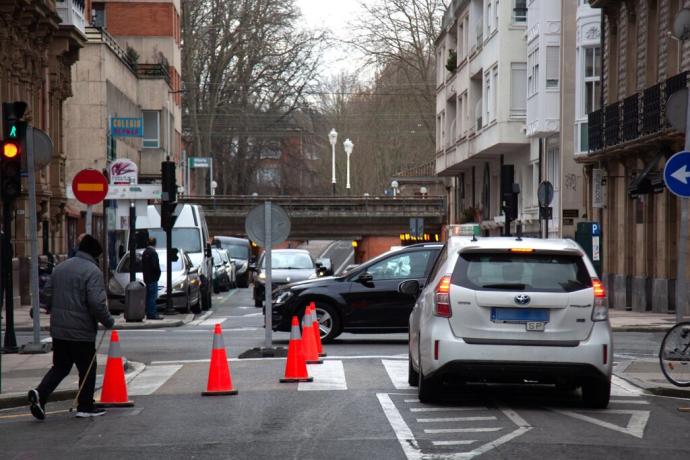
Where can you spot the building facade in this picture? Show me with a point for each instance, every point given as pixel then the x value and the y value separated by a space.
pixel 629 141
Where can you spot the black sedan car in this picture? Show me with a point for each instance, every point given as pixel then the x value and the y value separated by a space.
pixel 364 300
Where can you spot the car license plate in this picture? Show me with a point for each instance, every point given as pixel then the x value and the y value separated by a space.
pixel 537 326
pixel 519 315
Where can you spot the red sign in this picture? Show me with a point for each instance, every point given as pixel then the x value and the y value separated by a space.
pixel 90 186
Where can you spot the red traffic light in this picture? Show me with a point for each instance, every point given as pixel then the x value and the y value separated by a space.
pixel 10 150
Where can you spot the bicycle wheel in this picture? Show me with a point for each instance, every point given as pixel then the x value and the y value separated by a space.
pixel 674 355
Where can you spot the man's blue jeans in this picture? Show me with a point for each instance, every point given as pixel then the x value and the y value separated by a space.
pixel 151 296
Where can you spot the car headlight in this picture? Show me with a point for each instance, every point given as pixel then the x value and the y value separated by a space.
pixel 115 287
pixel 178 285
pixel 262 275
pixel 312 276
pixel 283 296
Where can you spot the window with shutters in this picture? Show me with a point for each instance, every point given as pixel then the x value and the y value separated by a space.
pixel 518 84
pixel 552 67
pixel 533 72
pixel 152 127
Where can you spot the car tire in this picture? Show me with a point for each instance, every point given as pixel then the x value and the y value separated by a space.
pixel 412 375
pixel 323 309
pixel 196 308
pixel 243 281
pixel 596 393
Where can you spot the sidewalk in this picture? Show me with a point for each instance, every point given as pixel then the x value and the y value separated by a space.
pixel 633 321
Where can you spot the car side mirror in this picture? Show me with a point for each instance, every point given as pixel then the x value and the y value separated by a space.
pixel 365 278
pixel 409 287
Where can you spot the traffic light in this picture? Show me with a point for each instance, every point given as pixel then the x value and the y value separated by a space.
pixel 169 194
pixel 13 146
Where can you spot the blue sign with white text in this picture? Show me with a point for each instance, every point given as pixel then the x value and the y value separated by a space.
pixel 126 127
pixel 677 174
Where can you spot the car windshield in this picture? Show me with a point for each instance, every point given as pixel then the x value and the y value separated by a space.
pixel 187 239
pixel 287 260
pixel 236 251
pixel 124 265
pixel 521 272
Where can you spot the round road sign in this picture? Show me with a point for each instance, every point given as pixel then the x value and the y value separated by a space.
pixel 255 225
pixel 545 193
pixel 677 174
pixel 90 186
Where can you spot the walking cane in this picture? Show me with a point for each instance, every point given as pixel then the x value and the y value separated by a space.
pixel 93 360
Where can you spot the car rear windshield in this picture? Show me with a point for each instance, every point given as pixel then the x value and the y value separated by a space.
pixel 237 252
pixel 521 272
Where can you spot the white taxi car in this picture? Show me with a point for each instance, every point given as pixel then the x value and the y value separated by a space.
pixel 509 310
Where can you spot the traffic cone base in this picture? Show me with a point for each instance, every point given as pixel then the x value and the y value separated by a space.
pixel 295 366
pixel 114 390
pixel 219 380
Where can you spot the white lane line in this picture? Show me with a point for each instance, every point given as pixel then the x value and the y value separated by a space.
pixel 397 371
pixel 628 401
pixel 620 387
pixel 252 315
pixel 411 400
pixel 152 378
pixel 402 431
pixel 454 443
pixel 200 319
pixel 445 409
pixel 212 321
pixel 635 426
pixel 455 419
pixel 327 377
pixel 524 427
pixel 462 430
pixel 242 329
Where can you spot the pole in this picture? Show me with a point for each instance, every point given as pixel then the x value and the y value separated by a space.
pixel 333 166
pixel 10 343
pixel 33 231
pixel 210 176
pixel 169 310
pixel 348 173
pixel 268 298
pixel 89 219
pixel 130 243
pixel 681 285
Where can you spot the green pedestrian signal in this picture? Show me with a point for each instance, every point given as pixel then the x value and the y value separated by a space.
pixel 13 132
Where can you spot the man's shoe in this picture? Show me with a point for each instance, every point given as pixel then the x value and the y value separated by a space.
pixel 93 412
pixel 37 409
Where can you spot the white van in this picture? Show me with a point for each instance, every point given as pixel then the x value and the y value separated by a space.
pixel 190 233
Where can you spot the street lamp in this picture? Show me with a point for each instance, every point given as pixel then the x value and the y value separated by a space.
pixel 333 137
pixel 395 185
pixel 423 191
pixel 347 145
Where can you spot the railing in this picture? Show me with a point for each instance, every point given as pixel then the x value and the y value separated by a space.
pixel 631 117
pixel 72 13
pixel 153 71
pixel 640 114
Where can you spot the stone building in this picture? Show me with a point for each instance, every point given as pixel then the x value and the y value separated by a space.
pixel 629 142
pixel 39 43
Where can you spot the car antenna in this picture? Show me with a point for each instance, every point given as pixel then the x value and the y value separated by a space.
pixel 519 231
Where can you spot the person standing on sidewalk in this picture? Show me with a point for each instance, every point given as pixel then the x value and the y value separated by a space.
pixel 76 296
pixel 151 268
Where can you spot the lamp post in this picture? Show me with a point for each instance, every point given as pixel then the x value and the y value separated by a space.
pixel 333 137
pixel 347 145
pixel 395 185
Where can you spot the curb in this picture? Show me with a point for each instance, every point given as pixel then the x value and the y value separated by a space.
pixel 675 392
pixel 189 317
pixel 14 400
pixel 659 328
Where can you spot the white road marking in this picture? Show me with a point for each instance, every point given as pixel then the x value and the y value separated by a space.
pixel 197 321
pixel 628 401
pixel 412 400
pixel 402 431
pixel 327 376
pixel 242 329
pixel 152 378
pixel 397 371
pixel 620 387
pixel 454 419
pixel 635 427
pixel 462 430
pixel 463 442
pixel 444 409
pixel 212 321
pixel 252 315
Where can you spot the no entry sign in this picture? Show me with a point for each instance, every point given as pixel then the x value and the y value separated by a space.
pixel 90 186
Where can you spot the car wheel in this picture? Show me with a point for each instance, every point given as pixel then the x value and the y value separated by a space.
pixel 329 322
pixel 196 308
pixel 596 393
pixel 412 375
pixel 429 388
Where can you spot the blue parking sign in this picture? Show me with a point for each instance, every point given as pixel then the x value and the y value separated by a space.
pixel 677 174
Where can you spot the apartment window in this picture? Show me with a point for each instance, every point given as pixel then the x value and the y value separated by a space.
pixel 460 116
pixel 466 36
pixel 488 99
pixel 489 17
pixel 494 99
pixel 533 72
pixel 584 137
pixel 518 83
pixel 519 11
pixel 552 66
pixel 496 15
pixel 461 42
pixel 592 79
pixel 152 129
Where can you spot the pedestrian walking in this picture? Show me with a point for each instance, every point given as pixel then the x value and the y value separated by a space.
pixel 76 297
pixel 151 268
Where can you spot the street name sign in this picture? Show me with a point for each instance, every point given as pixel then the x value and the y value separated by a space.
pixel 677 174
pixel 90 186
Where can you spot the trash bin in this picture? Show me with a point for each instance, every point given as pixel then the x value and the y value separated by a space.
pixel 135 301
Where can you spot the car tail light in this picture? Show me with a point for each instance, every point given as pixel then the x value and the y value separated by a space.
pixel 601 309
pixel 442 306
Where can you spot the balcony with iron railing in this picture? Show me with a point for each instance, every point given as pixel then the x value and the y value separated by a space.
pixel 637 118
pixel 72 13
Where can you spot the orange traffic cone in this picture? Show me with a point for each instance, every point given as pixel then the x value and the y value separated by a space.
pixel 311 354
pixel 317 331
pixel 296 366
pixel 219 380
pixel 114 392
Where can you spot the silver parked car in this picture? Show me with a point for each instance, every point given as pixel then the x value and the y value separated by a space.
pixel 511 310
pixel 185 277
pixel 287 266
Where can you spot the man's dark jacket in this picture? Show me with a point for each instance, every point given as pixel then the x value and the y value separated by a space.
pixel 150 265
pixel 76 296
